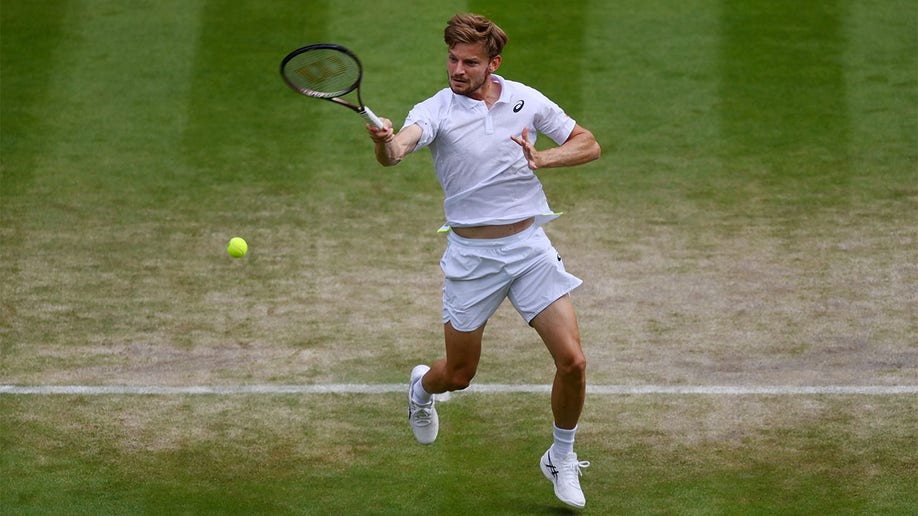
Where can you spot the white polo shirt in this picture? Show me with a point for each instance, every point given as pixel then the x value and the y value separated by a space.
pixel 484 174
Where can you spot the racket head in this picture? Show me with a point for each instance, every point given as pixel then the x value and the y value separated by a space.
pixel 322 70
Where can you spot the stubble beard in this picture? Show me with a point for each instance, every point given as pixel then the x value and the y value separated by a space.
pixel 467 88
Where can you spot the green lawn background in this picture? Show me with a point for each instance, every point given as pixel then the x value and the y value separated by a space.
pixel 752 221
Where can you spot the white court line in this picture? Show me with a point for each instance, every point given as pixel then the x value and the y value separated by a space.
pixel 385 388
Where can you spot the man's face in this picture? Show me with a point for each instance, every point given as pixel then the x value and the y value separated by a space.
pixel 468 66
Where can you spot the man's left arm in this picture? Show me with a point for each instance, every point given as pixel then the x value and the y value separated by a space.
pixel 580 147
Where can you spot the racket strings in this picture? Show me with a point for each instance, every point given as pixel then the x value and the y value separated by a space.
pixel 323 72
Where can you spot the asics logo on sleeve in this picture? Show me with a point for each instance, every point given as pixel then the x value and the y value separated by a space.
pixel 519 106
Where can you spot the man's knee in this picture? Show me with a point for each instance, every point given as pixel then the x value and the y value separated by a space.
pixel 460 379
pixel 572 366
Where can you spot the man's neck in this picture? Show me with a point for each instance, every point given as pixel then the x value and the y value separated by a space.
pixel 489 92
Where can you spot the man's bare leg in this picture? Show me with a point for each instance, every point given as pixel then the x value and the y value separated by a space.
pixel 455 372
pixel 557 325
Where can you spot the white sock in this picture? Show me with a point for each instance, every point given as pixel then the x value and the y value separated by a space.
pixel 418 394
pixel 564 441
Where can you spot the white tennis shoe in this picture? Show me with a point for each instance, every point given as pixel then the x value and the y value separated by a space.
pixel 564 474
pixel 423 417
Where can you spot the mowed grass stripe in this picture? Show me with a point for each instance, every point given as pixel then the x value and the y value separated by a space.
pixel 127 88
pixel 493 388
pixel 94 183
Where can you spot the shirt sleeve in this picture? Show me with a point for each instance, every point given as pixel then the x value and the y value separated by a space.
pixel 423 115
pixel 553 122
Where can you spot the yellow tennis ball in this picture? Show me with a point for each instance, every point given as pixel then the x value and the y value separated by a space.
pixel 237 247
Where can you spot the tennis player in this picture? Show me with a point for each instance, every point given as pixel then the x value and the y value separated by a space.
pixel 481 132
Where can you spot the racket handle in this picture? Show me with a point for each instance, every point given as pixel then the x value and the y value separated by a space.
pixel 371 117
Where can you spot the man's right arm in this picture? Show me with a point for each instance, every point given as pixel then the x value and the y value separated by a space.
pixel 391 148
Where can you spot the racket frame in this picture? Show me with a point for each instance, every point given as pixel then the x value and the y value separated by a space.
pixel 335 97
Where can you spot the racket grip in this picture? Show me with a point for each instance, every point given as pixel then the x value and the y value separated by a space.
pixel 371 117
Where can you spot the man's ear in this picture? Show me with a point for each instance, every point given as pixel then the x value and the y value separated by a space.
pixel 494 64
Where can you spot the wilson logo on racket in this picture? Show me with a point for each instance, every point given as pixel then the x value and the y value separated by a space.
pixel 321 71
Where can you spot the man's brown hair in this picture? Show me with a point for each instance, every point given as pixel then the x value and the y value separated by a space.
pixel 474 28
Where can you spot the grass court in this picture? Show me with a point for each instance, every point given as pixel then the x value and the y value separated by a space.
pixel 753 222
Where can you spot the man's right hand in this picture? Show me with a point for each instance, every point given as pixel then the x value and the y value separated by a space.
pixel 384 135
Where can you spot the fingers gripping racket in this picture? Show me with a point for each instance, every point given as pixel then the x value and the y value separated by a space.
pixel 327 71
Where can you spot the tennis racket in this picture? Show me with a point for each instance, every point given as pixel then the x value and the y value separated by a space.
pixel 327 71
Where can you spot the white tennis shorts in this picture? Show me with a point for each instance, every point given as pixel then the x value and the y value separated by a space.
pixel 480 273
